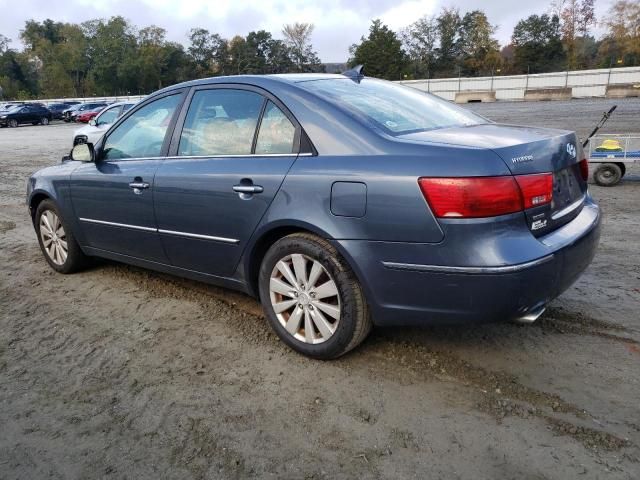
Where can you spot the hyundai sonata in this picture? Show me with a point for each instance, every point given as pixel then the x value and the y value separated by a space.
pixel 340 201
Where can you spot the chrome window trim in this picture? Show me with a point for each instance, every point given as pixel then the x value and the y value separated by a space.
pixel 243 156
pixel 568 209
pixel 114 224
pixel 199 236
pixel 467 270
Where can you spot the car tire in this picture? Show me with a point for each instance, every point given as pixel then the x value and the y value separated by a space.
pixel 13 123
pixel 326 313
pixel 44 121
pixel 56 239
pixel 607 174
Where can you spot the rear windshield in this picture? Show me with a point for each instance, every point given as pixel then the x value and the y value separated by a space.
pixel 395 108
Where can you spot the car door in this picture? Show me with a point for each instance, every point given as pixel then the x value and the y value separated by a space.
pixel 24 115
pixel 224 170
pixel 113 196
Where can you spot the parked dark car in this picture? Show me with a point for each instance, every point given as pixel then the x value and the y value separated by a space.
pixel 28 113
pixel 339 201
pixel 57 109
pixel 71 114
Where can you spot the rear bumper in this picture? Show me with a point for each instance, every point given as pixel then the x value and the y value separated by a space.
pixel 418 293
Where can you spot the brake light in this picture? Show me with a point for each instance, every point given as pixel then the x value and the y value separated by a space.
pixel 536 189
pixel 584 169
pixel 471 197
pixel 475 197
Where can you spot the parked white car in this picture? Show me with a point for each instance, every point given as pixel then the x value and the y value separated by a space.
pixel 92 132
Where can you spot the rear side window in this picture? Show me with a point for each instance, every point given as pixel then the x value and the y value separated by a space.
pixel 277 133
pixel 220 122
pixel 142 134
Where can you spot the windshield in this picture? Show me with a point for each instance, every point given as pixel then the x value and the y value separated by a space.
pixel 395 108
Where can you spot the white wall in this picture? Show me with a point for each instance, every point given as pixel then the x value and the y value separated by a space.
pixel 585 83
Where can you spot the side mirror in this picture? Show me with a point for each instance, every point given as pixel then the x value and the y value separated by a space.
pixel 83 152
pixel 93 122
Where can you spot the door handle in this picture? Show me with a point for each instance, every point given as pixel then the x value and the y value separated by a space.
pixel 248 189
pixel 138 186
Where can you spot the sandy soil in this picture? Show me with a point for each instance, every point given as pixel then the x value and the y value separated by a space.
pixel 117 372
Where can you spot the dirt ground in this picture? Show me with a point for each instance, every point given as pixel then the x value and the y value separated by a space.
pixel 117 372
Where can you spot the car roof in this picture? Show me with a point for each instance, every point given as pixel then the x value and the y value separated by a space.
pixel 287 78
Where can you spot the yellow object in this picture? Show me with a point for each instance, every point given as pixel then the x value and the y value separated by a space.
pixel 610 145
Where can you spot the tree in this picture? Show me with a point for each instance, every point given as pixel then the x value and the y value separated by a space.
pixel 537 44
pixel 267 55
pixel 112 47
pixel 381 53
pixel 576 17
pixel 622 40
pixel 479 51
pixel 207 51
pixel 419 40
pixel 4 44
pixel 449 23
pixel 298 40
pixel 151 57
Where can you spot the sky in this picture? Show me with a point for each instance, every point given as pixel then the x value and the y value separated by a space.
pixel 338 23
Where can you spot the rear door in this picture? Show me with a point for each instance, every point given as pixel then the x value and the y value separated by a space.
pixel 113 197
pixel 229 155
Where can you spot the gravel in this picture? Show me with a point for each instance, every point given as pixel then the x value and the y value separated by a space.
pixel 118 372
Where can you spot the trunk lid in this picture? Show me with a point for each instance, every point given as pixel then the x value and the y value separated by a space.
pixel 527 150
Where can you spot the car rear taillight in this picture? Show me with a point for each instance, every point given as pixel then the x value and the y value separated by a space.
pixel 584 169
pixel 475 197
pixel 536 189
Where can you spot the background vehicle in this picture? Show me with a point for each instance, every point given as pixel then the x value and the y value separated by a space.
pixel 57 109
pixel 87 115
pixel 610 154
pixel 340 201
pixel 101 123
pixel 29 113
pixel 71 113
pixel 9 106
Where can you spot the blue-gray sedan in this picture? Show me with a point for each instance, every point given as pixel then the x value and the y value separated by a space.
pixel 341 202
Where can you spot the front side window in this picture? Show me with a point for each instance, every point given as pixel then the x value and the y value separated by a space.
pixel 108 116
pixel 395 108
pixel 277 133
pixel 142 134
pixel 220 122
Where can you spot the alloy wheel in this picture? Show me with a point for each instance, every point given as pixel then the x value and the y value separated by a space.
pixel 305 298
pixel 45 121
pixel 54 238
pixel 13 123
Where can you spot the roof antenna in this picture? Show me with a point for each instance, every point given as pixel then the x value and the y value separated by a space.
pixel 356 74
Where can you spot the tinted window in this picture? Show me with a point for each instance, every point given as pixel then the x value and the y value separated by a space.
pixel 277 133
pixel 142 134
pixel 108 116
pixel 220 122
pixel 395 108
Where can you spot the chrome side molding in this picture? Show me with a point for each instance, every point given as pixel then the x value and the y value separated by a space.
pixel 467 270
pixel 121 225
pixel 159 230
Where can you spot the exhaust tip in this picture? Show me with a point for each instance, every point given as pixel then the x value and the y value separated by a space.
pixel 531 316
